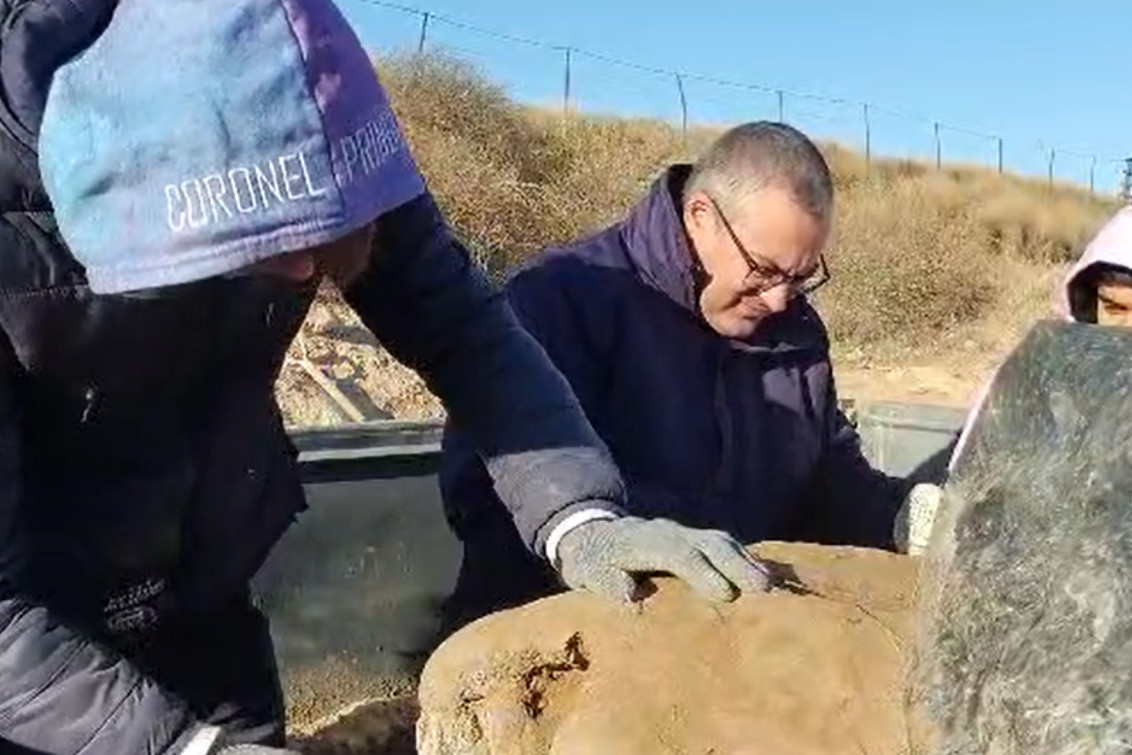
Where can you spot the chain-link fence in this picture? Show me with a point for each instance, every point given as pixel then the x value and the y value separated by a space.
pixel 576 80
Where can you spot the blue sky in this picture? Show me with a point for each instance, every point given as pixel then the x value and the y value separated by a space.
pixel 1038 74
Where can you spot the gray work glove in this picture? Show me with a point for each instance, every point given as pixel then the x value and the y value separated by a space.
pixel 604 555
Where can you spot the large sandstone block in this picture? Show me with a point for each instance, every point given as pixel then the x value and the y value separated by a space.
pixel 817 666
pixel 1026 642
pixel 1015 637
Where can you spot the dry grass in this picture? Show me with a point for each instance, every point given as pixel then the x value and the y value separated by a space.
pixel 930 267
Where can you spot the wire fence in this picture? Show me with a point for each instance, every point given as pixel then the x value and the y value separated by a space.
pixel 676 96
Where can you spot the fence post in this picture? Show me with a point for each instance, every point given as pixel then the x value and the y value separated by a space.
pixel 938 149
pixel 683 109
pixel 566 90
pixel 781 107
pixel 1052 158
pixel 1000 155
pixel 424 32
pixel 868 137
pixel 1093 175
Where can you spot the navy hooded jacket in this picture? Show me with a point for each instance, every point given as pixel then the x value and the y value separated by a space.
pixel 745 437
pixel 144 468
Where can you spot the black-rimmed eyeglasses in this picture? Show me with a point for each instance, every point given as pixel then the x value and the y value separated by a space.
pixel 763 276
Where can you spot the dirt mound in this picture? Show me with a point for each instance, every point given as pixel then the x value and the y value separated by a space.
pixel 818 665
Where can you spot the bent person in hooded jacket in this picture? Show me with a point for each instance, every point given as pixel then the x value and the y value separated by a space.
pixel 202 166
pixel 686 333
pixel 1096 290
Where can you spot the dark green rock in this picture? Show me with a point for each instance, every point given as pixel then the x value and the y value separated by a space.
pixel 1026 644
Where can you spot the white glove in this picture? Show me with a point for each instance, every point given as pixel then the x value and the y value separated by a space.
pixel 915 519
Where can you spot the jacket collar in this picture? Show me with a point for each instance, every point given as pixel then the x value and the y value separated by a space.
pixel 657 243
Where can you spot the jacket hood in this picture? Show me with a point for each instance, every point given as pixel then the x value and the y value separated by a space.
pixel 660 252
pixel 36 38
pixel 656 242
pixel 247 130
pixel 1112 246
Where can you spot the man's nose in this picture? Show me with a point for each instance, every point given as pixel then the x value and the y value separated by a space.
pixel 777 298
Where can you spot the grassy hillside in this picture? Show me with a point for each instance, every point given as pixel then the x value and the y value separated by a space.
pixel 935 273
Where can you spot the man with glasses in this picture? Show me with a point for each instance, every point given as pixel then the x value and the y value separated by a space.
pixel 685 331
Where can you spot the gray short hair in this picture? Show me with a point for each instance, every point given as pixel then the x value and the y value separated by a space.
pixel 755 155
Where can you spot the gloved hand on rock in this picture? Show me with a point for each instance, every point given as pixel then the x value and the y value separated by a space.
pixel 605 555
pixel 915 519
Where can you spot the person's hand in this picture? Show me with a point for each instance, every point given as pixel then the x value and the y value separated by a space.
pixel 604 555
pixel 915 519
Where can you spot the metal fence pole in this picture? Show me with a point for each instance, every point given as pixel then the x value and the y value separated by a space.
pixel 938 149
pixel 868 137
pixel 1093 175
pixel 424 31
pixel 1052 158
pixel 1000 155
pixel 683 109
pixel 566 89
pixel 781 107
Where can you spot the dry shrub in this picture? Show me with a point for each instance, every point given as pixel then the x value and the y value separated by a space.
pixel 905 266
pixel 849 168
pixel 918 253
pixel 1041 229
pixel 612 163
pixel 487 163
pixel 514 179
pixel 440 93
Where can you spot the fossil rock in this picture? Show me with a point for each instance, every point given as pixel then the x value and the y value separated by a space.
pixel 815 666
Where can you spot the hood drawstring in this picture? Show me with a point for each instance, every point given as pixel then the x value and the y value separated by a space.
pixel 90 399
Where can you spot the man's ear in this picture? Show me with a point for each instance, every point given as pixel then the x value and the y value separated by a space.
pixel 694 205
pixel 697 216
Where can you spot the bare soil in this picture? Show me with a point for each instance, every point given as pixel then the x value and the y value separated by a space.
pixel 941 382
pixel 334 342
pixel 380 728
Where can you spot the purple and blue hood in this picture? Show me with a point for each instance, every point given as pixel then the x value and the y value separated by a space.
pixel 1110 248
pixel 196 137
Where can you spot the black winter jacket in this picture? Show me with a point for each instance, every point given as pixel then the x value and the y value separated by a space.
pixel 144 468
